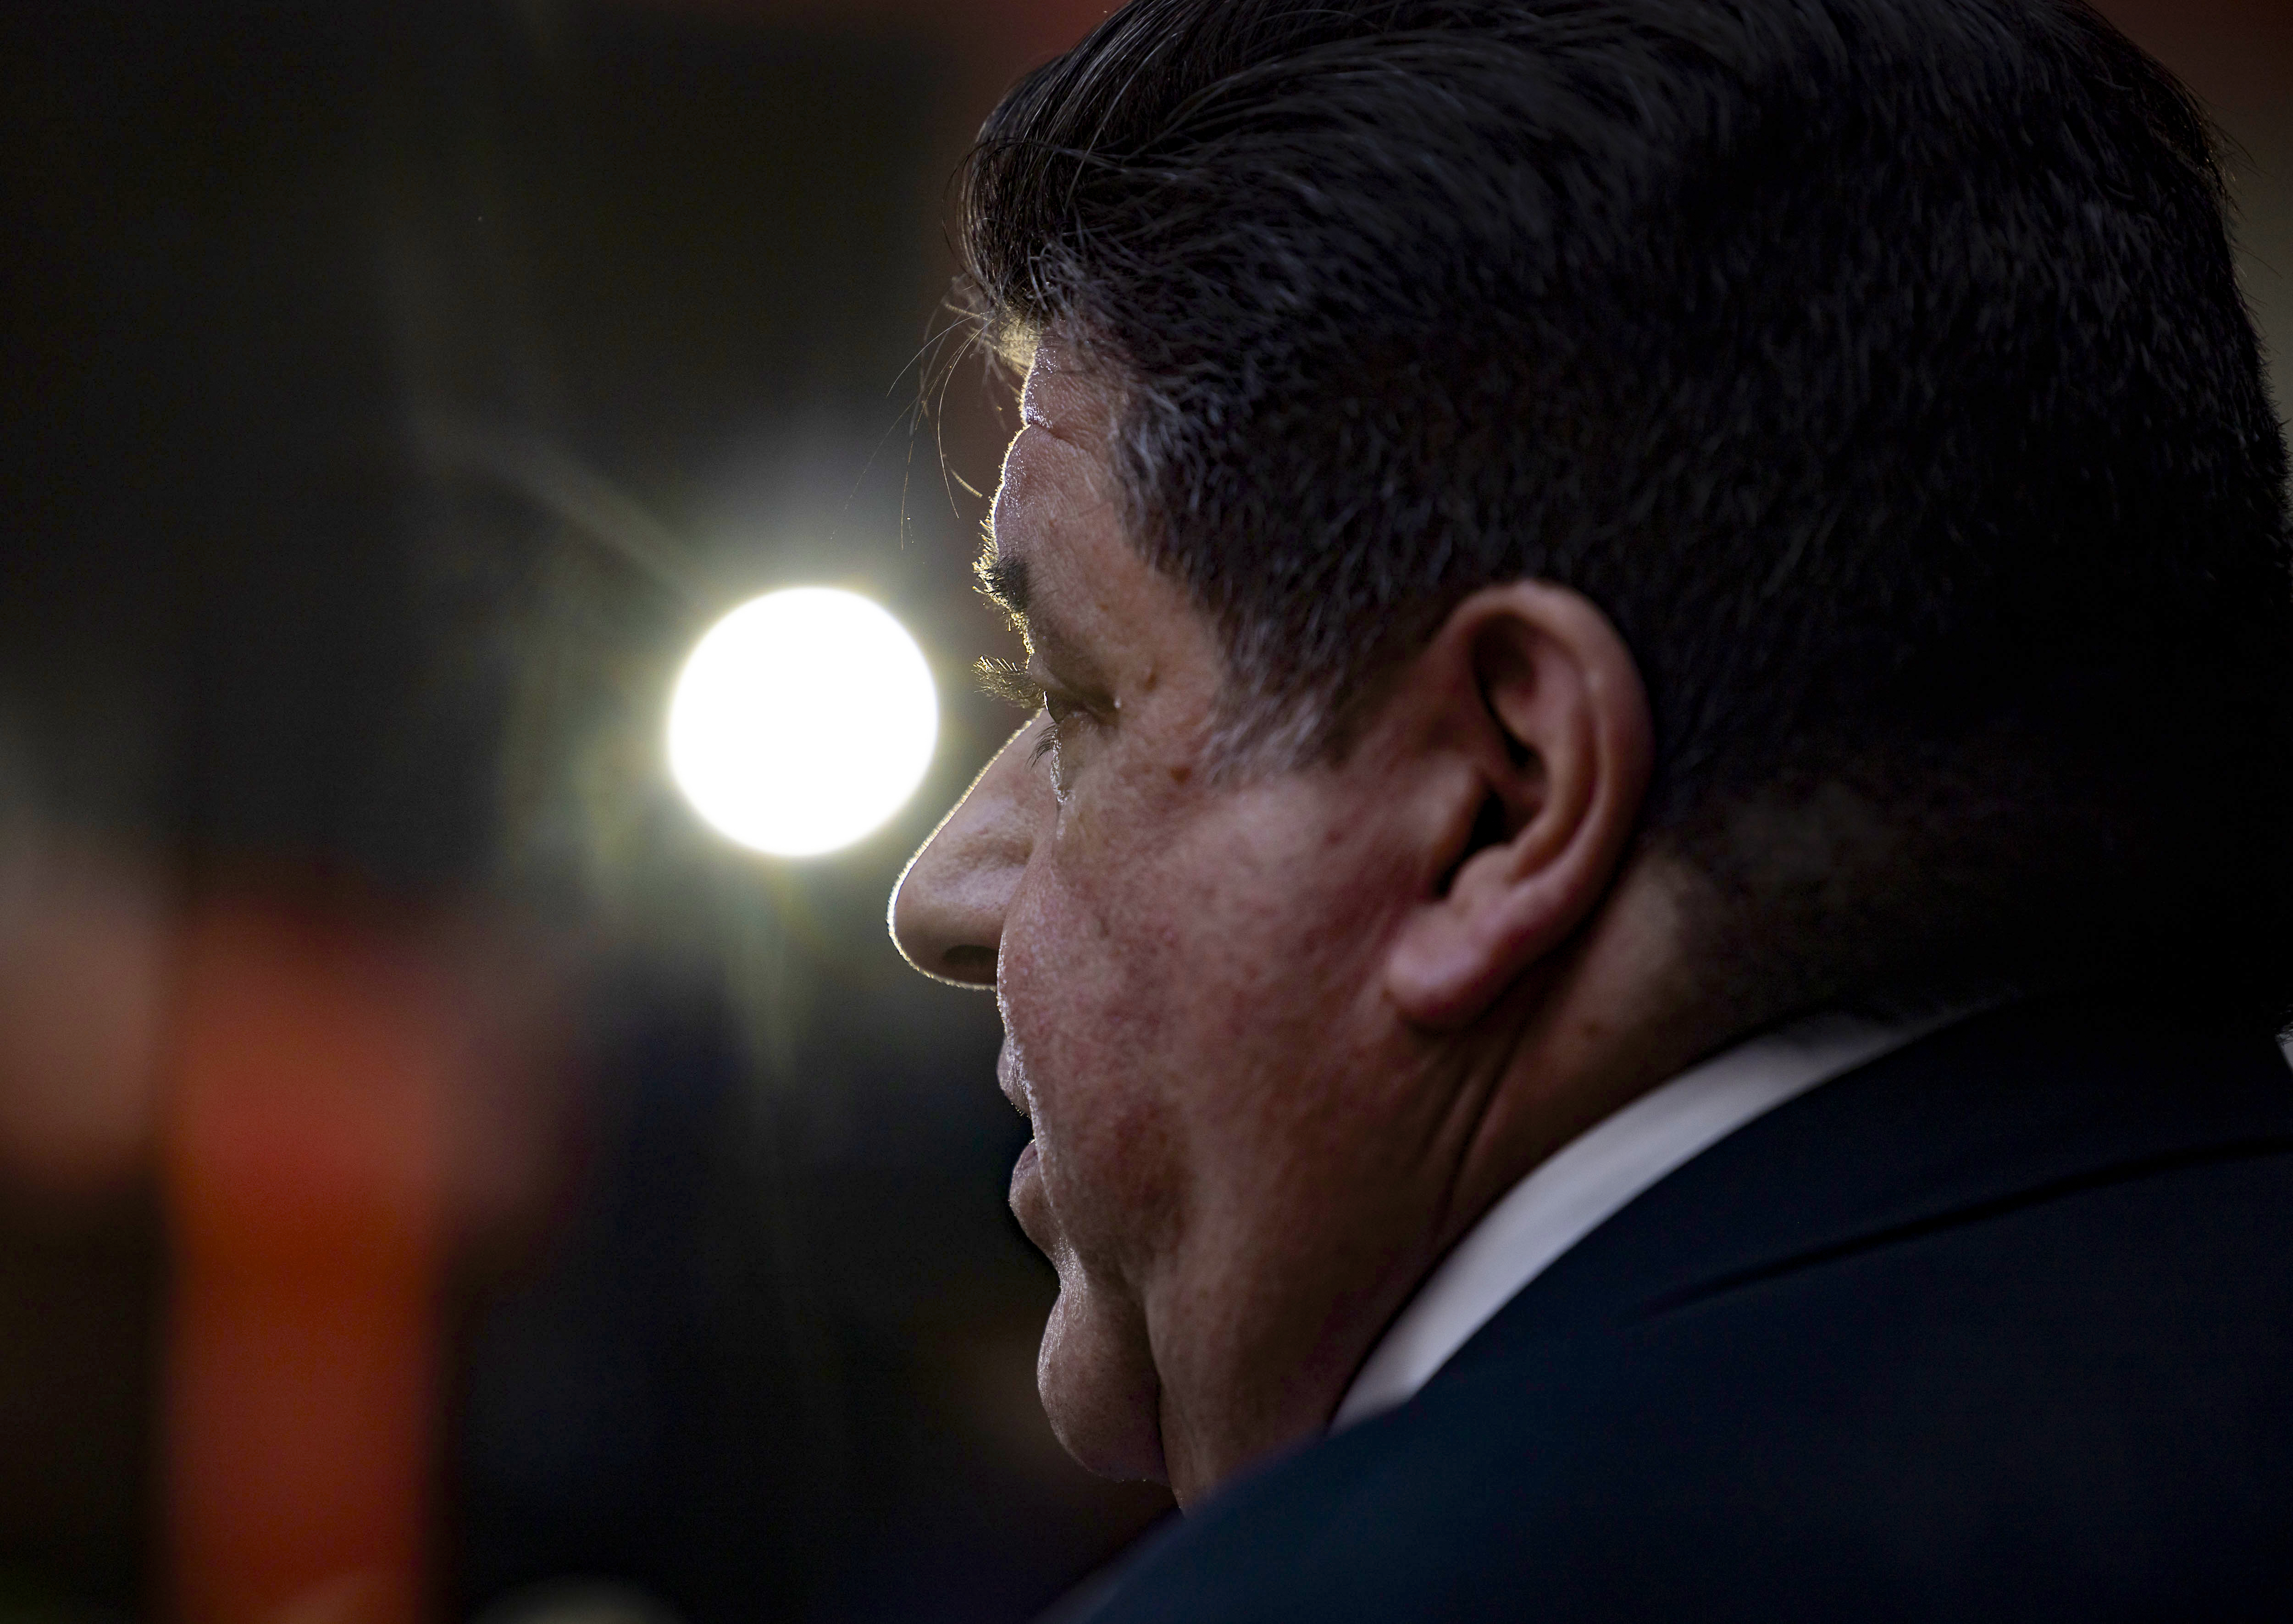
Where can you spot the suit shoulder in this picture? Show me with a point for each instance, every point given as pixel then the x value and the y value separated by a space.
pixel 2074 1404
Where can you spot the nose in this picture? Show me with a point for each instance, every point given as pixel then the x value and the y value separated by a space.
pixel 947 910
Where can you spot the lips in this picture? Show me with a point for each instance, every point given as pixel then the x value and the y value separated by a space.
pixel 1010 1076
pixel 1028 1201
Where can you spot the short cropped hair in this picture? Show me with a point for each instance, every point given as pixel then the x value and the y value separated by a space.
pixel 1878 367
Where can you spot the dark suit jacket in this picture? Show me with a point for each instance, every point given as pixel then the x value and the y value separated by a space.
pixel 1998 1327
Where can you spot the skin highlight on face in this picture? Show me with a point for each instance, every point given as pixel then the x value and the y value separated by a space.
pixel 1282 1038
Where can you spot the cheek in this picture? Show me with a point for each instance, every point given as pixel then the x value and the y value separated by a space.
pixel 1085 993
pixel 1170 971
pixel 1077 998
pixel 1153 983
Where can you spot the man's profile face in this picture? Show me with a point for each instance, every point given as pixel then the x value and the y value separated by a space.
pixel 1183 965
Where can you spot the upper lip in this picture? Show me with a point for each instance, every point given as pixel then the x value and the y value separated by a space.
pixel 1007 1078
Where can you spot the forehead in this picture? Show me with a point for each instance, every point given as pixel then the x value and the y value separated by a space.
pixel 1055 472
pixel 1059 552
pixel 1063 398
pixel 1054 509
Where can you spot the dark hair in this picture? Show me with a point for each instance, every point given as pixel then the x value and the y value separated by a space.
pixel 1878 366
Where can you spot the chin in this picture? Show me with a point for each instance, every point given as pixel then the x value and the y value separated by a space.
pixel 1100 1390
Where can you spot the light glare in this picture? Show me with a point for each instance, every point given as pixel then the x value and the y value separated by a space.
pixel 802 720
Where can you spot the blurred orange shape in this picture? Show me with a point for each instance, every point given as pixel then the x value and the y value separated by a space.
pixel 305 1171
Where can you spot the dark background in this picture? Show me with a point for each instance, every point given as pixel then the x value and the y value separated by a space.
pixel 391 393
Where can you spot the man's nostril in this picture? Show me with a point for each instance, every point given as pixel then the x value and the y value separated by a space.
pixel 968 963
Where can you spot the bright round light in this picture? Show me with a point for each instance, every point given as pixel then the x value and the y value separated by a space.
pixel 802 721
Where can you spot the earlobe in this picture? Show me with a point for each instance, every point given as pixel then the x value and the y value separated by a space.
pixel 1547 721
pixel 1460 954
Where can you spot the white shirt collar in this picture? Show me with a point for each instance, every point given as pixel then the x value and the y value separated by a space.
pixel 1579 1187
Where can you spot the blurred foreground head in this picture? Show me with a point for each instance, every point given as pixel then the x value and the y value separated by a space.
pixel 1550 535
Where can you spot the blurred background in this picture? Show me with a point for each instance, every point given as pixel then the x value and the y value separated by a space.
pixel 440 1176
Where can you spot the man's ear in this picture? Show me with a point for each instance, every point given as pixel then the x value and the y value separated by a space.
pixel 1541 746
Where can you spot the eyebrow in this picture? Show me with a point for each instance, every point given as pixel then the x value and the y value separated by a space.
pixel 1003 578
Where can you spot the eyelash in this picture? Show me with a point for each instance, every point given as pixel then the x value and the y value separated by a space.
pixel 1012 683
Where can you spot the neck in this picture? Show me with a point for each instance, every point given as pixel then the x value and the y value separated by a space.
pixel 1584 1036
pixel 1619 1016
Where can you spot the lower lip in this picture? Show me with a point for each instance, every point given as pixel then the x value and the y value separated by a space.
pixel 1027 1201
pixel 1025 1189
